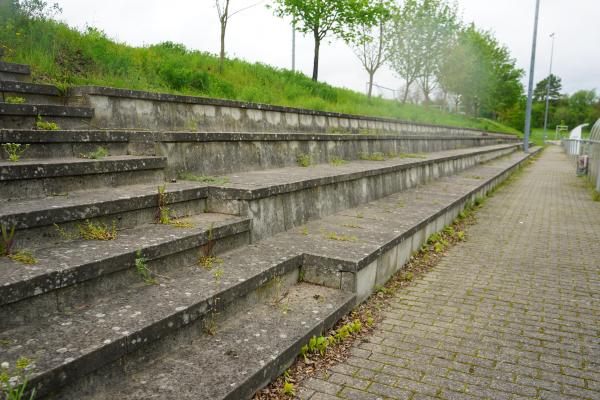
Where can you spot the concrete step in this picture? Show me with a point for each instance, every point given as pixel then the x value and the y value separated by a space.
pixel 95 335
pixel 30 178
pixel 280 199
pixel 248 350
pixel 219 153
pixel 127 206
pixel 78 271
pixel 116 342
pixel 32 93
pixel 26 116
pixel 72 143
pixel 14 72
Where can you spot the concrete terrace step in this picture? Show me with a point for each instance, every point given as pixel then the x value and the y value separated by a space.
pixel 14 72
pixel 248 350
pixel 233 152
pixel 69 345
pixel 26 115
pixel 128 205
pixel 31 178
pixel 28 292
pixel 279 199
pixel 152 328
pixel 33 93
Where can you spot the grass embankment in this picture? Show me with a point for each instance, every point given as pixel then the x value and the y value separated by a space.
pixel 64 56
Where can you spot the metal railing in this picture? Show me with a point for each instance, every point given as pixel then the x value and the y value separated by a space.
pixel 589 147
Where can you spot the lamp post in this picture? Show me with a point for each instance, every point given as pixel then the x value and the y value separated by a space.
pixel 548 89
pixel 531 73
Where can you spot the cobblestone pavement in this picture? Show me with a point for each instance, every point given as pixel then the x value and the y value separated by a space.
pixel 513 313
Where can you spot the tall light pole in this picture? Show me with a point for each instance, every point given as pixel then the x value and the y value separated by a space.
pixel 531 73
pixel 548 89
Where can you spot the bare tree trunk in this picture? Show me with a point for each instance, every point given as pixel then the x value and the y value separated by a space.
pixel 222 54
pixel 315 74
pixel 371 75
pixel 406 91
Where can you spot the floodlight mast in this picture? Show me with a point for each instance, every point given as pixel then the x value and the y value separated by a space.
pixel 531 73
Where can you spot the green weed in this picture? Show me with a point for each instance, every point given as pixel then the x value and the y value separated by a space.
pixel 24 257
pixel 14 100
pixel 45 125
pixel 15 150
pixel 288 389
pixel 98 154
pixel 90 231
pixel 342 238
pixel 7 240
pixel 304 160
pixel 377 156
pixel 141 267
pixel 13 382
pixel 214 180
pixel 336 161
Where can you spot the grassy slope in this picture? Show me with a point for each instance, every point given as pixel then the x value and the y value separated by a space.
pixel 64 56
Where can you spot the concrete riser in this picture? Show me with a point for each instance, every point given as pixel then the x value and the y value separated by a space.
pixel 124 276
pixel 33 98
pixel 76 149
pixel 9 76
pixel 63 185
pixel 28 122
pixel 282 212
pixel 35 237
pixel 221 158
pixel 115 108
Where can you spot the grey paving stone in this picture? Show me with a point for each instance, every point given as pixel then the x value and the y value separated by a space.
pixel 512 312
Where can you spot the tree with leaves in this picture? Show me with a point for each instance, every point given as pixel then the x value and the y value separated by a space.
pixel 322 18
pixel 539 94
pixel 369 44
pixel 403 46
pixel 481 72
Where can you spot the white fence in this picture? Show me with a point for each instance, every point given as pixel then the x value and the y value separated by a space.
pixel 589 147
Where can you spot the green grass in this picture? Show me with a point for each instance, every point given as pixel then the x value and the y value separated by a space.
pixel 65 57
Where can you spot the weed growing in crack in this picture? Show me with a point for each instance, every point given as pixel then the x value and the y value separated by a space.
pixel 15 150
pixel 7 241
pixel 14 100
pixel 141 267
pixel 304 160
pixel 377 156
pixel 214 180
pixel 90 231
pixel 336 161
pixel 207 259
pixel 98 154
pixel 13 381
pixel 45 125
pixel 340 237
pixel 163 215
pixel 23 256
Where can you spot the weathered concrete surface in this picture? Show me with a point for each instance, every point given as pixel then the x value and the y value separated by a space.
pixel 128 206
pixel 132 109
pixel 14 72
pixel 33 93
pixel 249 349
pixel 280 199
pixel 140 322
pixel 510 314
pixel 29 179
pixel 25 116
pixel 107 266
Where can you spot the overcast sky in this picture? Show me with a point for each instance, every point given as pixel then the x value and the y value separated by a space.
pixel 257 35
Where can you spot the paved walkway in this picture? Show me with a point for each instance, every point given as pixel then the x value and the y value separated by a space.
pixel 513 313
